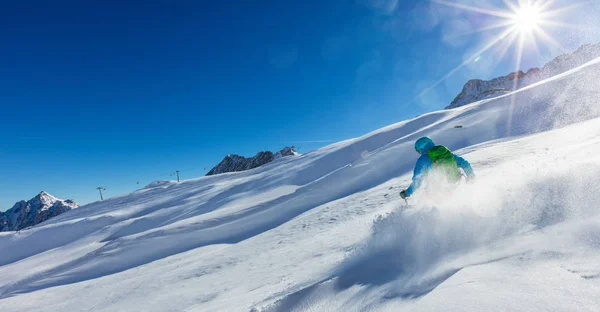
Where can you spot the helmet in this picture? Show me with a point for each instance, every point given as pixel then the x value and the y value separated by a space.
pixel 423 144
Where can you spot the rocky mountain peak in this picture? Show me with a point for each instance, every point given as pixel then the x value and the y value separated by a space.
pixel 236 163
pixel 477 90
pixel 286 151
pixel 38 209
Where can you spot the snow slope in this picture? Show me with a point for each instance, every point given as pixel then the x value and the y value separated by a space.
pixel 327 230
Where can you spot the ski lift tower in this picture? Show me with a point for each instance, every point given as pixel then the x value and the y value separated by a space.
pixel 100 189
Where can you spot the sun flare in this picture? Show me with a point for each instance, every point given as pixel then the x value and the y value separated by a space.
pixel 522 24
pixel 527 19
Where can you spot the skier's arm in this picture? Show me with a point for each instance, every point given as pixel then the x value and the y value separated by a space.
pixel 465 165
pixel 420 168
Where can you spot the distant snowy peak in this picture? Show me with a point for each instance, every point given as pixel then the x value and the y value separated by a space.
pixel 286 151
pixel 34 211
pixel 236 163
pixel 477 90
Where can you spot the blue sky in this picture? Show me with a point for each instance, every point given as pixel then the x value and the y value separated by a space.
pixel 108 93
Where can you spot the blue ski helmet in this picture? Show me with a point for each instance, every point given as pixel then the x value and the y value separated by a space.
pixel 423 144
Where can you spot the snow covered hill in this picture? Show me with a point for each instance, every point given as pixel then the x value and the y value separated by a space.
pixel 477 90
pixel 34 211
pixel 327 231
pixel 236 163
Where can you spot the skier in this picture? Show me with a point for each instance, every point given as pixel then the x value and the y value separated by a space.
pixel 436 158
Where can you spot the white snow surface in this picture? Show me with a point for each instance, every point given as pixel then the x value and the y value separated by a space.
pixel 327 231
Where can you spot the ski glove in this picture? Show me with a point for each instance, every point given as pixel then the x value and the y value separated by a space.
pixel 403 194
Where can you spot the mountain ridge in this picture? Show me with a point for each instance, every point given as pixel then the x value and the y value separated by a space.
pixel 237 163
pixel 38 209
pixel 477 89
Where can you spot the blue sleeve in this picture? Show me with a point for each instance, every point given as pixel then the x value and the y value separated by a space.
pixel 423 164
pixel 464 164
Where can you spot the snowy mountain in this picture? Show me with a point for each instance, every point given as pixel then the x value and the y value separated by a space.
pixel 286 151
pixel 477 90
pixel 34 211
pixel 236 163
pixel 327 231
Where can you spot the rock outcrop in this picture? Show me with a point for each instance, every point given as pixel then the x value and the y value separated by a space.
pixel 236 163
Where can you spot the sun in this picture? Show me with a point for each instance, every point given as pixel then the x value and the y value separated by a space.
pixel 526 19
pixel 522 24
